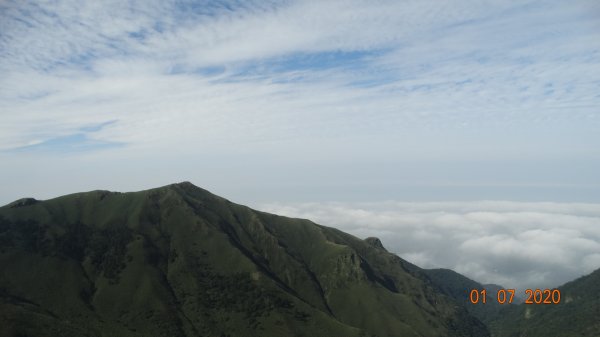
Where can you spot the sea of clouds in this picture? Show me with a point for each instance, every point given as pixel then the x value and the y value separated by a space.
pixel 515 244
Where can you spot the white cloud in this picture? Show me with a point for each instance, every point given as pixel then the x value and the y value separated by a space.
pixel 76 63
pixel 515 244
pixel 356 93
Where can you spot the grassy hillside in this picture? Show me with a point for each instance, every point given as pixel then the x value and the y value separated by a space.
pixel 459 287
pixel 180 261
pixel 578 313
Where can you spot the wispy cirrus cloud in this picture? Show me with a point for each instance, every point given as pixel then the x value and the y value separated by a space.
pixel 430 62
pixel 81 141
pixel 384 82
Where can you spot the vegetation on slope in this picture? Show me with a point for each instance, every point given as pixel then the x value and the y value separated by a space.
pixel 578 313
pixel 180 261
pixel 459 287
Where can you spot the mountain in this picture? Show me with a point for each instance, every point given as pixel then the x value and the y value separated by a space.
pixel 180 261
pixel 459 287
pixel 577 314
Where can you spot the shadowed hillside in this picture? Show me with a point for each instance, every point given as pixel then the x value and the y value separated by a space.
pixel 577 315
pixel 459 287
pixel 180 261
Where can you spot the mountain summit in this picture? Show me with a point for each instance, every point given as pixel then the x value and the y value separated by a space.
pixel 181 261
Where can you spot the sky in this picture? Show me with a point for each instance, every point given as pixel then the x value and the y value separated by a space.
pixel 312 107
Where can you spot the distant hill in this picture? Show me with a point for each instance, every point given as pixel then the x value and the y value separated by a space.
pixel 180 261
pixel 459 287
pixel 578 313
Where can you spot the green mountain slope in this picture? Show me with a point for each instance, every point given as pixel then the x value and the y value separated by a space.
pixel 458 287
pixel 578 313
pixel 180 261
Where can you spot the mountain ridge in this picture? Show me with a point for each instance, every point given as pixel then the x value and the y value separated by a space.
pixel 180 261
pixel 577 314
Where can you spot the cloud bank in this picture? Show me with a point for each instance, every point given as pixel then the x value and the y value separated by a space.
pixel 515 244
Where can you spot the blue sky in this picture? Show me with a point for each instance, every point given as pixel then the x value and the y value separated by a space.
pixel 303 101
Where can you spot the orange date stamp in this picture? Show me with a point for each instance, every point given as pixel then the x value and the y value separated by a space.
pixel 504 296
